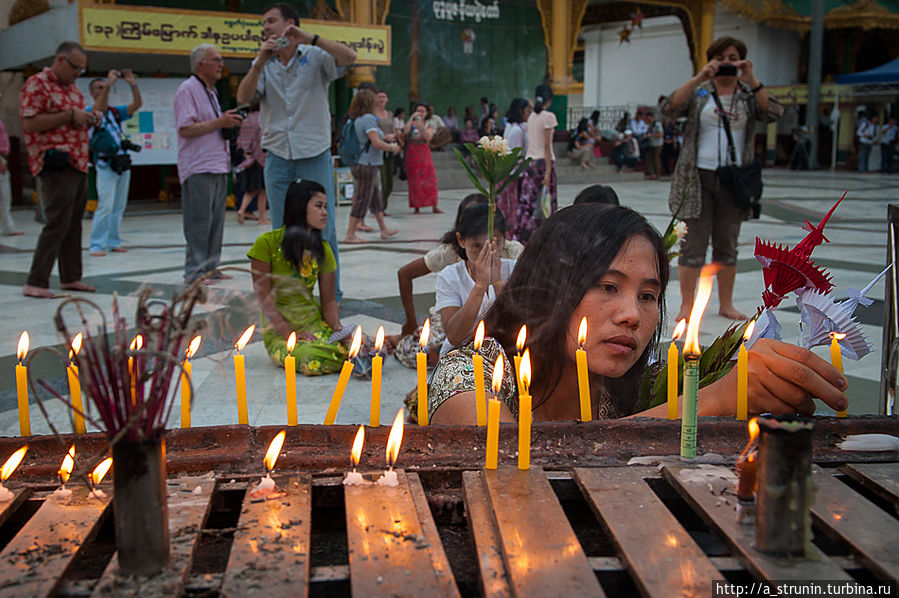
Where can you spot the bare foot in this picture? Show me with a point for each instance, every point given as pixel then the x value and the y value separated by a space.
pixel 386 234
pixel 77 286
pixel 263 221
pixel 365 228
pixel 39 292
pixel 251 217
pixel 354 240
pixel 119 250
pixel 98 253
pixel 416 211
pixel 731 313
pixel 437 210
pixel 241 217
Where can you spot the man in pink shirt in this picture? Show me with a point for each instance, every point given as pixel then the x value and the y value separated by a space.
pixel 55 123
pixel 204 161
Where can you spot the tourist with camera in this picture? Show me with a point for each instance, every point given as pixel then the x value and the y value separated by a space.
pixel 109 152
pixel 204 161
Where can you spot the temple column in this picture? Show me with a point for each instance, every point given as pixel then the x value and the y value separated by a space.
pixel 362 12
pixel 561 20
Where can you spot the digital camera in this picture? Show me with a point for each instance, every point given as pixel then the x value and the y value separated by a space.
pixel 129 146
pixel 727 70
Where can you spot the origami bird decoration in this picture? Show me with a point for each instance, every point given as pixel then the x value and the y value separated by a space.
pixel 624 35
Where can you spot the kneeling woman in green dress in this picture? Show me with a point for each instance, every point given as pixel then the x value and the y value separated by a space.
pixel 286 263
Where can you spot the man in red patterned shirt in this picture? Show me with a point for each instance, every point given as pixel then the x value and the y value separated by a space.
pixel 56 125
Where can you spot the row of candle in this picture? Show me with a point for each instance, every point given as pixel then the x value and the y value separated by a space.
pixel 65 470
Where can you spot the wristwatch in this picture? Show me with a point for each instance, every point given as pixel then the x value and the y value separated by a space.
pixel 759 88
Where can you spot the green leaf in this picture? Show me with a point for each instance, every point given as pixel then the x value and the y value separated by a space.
pixel 471 175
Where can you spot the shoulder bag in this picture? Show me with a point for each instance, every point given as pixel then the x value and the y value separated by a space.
pixel 744 181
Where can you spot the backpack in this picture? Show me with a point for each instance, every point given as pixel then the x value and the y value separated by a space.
pixel 348 147
pixel 102 143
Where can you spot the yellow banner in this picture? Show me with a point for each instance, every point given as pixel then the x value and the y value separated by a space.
pixel 116 28
pixel 797 95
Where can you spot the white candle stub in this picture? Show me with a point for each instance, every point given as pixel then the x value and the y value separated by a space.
pixel 5 494
pixel 388 479
pixel 98 494
pixel 62 493
pixel 354 478
pixel 265 487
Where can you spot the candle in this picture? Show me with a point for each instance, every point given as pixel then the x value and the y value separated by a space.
pixel 743 375
pixel 477 362
pixel 75 387
pixel 836 358
pixel 290 380
pixel 22 386
pixel 136 345
pixel 8 468
pixel 345 372
pixel 240 378
pixel 394 440
pixel 185 381
pixel 673 369
pixel 354 478
pixel 421 363
pixel 493 416
pixel 266 485
pixel 65 470
pixel 747 464
pixel 519 347
pixel 524 412
pixel 692 355
pixel 583 381
pixel 374 416
pixel 96 476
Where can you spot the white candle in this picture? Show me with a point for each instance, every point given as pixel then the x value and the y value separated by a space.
pixel 354 478
pixel 388 479
pixel 5 494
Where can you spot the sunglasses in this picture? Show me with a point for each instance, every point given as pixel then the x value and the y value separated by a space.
pixel 80 69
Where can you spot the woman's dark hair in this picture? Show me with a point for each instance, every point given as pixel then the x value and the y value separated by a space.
pixel 298 236
pixel 564 259
pixel 449 237
pixel 542 95
pixel 723 43
pixel 516 110
pixel 473 223
pixel 594 117
pixel 583 125
pixel 417 104
pixel 399 111
pixel 601 194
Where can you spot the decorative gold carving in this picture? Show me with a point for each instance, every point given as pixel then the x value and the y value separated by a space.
pixel 563 83
pixel 25 9
pixel 323 12
pixel 864 14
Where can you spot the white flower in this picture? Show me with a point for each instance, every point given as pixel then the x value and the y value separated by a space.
pixel 680 229
pixel 483 141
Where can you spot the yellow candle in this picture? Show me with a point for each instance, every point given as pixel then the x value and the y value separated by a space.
pixel 583 381
pixel 290 380
pixel 75 387
pixel 344 378
pixel 185 394
pixel 524 412
pixel 478 363
pixel 743 375
pixel 492 434
pixel 421 363
pixel 836 358
pixel 376 365
pixel 240 378
pixel 22 386
pixel 673 369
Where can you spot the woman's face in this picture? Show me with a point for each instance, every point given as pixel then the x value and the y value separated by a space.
pixel 317 211
pixel 421 112
pixel 382 100
pixel 474 245
pixel 729 55
pixel 622 311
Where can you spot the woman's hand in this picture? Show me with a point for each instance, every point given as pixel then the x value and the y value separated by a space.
pixel 708 72
pixel 783 378
pixel 484 266
pixel 305 336
pixel 746 74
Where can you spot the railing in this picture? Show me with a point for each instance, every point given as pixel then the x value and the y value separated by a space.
pixel 890 358
pixel 608 115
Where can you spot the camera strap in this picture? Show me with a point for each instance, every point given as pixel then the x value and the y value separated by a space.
pixel 725 122
pixel 215 108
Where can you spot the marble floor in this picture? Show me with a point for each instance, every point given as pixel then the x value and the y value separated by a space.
pixel 153 236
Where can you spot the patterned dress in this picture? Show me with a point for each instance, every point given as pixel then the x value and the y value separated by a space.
pixel 291 291
pixel 531 189
pixel 420 174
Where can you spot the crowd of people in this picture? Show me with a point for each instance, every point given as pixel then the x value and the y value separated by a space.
pixel 541 267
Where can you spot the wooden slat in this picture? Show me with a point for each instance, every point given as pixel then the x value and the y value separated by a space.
pixel 187 512
pixel 270 552
pixel 10 507
pixel 719 512
pixel 881 478
pixel 871 532
pixel 541 553
pixel 439 562
pixel 389 555
pixel 656 549
pixel 36 560
pixel 494 579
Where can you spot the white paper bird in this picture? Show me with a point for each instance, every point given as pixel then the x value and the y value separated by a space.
pixel 766 326
pixel 857 297
pixel 821 316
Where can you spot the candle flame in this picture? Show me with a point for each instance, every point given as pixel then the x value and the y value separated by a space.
pixel 356 454
pixel 137 344
pixel 524 372
pixel 749 330
pixel 479 336
pixel 10 466
pixel 425 333
pixel 76 344
pixel 22 349
pixel 838 335
pixel 679 329
pixel 753 429
pixel 582 333
pixel 291 341
pixel 96 476
pixel 68 464
pixel 274 449
pixel 522 337
pixel 497 381
pixel 706 280
pixel 194 345
pixel 245 338
pixel 395 439
pixel 356 344
pixel 379 339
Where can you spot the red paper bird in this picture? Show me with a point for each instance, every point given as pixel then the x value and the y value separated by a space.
pixel 786 270
pixel 624 36
pixel 637 18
